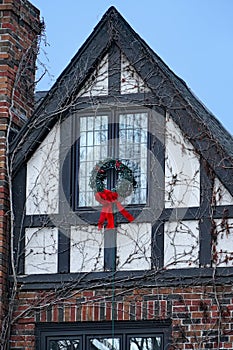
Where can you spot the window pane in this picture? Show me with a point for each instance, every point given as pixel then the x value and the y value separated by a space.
pixel 145 343
pixel 90 123
pixel 105 343
pixel 83 124
pixel 64 344
pixel 93 148
pixel 90 139
pixel 133 151
pixel 83 140
pixel 100 137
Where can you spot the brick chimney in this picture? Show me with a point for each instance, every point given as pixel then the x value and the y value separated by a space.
pixel 19 30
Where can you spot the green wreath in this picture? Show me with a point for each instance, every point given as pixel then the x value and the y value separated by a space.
pixel 126 182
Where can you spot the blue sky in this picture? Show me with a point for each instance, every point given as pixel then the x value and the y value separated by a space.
pixel 193 37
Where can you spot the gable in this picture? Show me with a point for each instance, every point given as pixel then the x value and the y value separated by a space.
pixel 121 108
pixel 149 72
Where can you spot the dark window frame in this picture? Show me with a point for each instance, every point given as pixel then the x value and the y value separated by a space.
pixel 46 332
pixel 155 147
pixel 113 114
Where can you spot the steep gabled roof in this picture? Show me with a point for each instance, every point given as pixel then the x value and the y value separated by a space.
pixel 205 132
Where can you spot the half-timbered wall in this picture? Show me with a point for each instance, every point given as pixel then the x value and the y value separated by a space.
pixel 181 236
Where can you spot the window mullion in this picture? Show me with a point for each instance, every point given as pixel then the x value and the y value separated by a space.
pixel 110 235
pixel 115 142
pixel 113 145
pixel 116 134
pixel 111 135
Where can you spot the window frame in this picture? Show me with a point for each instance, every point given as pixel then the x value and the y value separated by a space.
pixel 113 113
pixel 124 330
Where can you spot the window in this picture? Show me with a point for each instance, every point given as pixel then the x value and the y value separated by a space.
pixel 114 135
pixel 105 343
pixel 64 344
pixel 135 335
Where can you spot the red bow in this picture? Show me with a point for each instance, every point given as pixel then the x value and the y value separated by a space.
pixel 107 198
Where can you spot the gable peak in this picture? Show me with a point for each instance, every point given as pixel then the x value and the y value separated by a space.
pixel 112 13
pixel 112 9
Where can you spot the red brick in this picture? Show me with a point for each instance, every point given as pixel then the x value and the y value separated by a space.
pixel 120 311
pixel 55 313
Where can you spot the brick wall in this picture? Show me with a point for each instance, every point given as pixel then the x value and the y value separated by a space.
pixel 20 26
pixel 19 30
pixel 201 316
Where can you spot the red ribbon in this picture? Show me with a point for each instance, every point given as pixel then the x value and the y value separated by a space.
pixel 107 198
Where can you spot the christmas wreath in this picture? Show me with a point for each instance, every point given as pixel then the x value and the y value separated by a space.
pixel 125 185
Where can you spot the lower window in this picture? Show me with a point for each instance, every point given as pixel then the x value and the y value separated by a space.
pixel 138 335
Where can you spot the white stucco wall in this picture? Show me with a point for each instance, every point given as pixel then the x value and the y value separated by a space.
pixel 134 246
pixel 224 246
pixel 221 195
pixel 131 82
pixel 181 244
pixel 182 170
pixel 98 83
pixel 87 249
pixel 41 250
pixel 42 189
